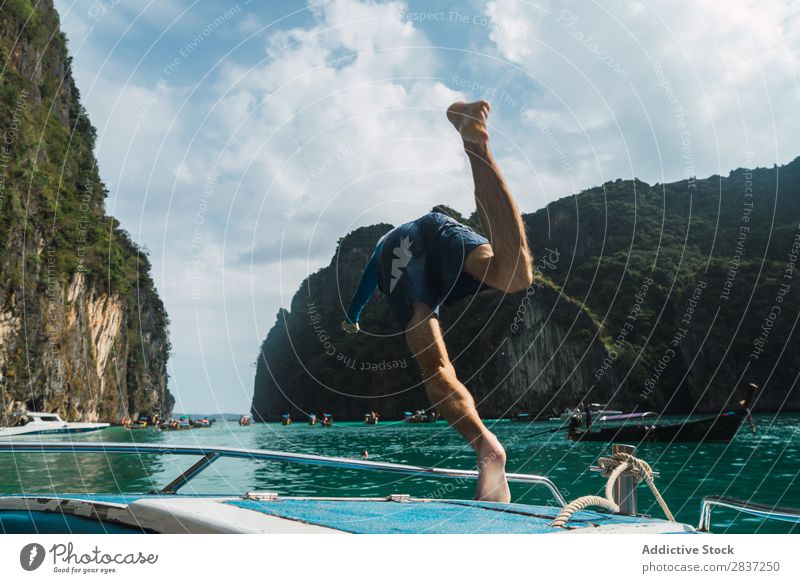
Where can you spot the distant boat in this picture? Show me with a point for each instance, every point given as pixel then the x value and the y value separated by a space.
pixel 181 424
pixel 312 419
pixel 327 419
pixel 595 410
pixel 244 420
pixel 32 423
pixel 638 427
pixel 286 419
pixel 420 416
pixel 371 418
pixel 143 422
pixel 204 422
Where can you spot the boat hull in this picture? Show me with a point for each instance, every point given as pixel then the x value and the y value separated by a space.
pixel 720 429
pixel 77 428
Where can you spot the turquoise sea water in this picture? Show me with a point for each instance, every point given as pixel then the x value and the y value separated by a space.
pixel 762 467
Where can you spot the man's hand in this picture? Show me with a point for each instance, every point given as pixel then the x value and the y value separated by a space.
pixel 350 328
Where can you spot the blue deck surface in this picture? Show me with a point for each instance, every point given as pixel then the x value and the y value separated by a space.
pixel 440 517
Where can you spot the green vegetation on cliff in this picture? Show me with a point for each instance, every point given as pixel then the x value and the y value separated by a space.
pixel 720 253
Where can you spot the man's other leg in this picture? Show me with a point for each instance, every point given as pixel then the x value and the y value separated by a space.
pixel 453 401
pixel 506 263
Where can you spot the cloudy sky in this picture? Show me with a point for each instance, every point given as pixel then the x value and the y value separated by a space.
pixel 239 141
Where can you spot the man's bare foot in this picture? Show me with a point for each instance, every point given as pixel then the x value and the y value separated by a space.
pixel 492 484
pixel 470 120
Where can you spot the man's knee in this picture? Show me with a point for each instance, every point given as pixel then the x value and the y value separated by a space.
pixel 482 264
pixel 435 365
pixel 479 262
pixel 522 278
pixel 509 280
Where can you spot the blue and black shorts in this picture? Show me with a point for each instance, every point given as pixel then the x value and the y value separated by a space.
pixel 423 261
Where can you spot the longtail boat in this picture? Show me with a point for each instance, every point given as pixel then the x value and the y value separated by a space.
pixel 638 427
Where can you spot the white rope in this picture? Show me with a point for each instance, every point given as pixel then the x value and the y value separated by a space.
pixel 613 468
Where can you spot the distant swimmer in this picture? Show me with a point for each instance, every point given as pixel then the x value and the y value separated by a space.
pixel 435 259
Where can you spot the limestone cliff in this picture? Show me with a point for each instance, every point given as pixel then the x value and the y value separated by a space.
pixel 82 329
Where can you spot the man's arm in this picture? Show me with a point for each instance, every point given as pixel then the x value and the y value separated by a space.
pixel 366 287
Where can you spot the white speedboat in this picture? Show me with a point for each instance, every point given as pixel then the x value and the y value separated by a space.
pixel 32 423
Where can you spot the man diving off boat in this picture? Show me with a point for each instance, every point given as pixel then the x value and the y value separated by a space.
pixel 435 259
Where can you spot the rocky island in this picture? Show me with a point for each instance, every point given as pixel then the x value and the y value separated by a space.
pixel 83 331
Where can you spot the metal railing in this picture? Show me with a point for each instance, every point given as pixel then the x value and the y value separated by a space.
pixel 209 455
pixel 761 510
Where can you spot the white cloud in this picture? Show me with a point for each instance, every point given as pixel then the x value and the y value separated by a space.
pixel 318 138
pixel 514 26
pixel 635 78
pixel 182 174
pixel 249 24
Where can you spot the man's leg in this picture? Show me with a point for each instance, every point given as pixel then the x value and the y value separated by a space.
pixel 453 401
pixel 506 263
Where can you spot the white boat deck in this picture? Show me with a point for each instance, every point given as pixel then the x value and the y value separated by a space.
pixel 396 514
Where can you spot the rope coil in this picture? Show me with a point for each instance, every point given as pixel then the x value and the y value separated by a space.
pixel 612 468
